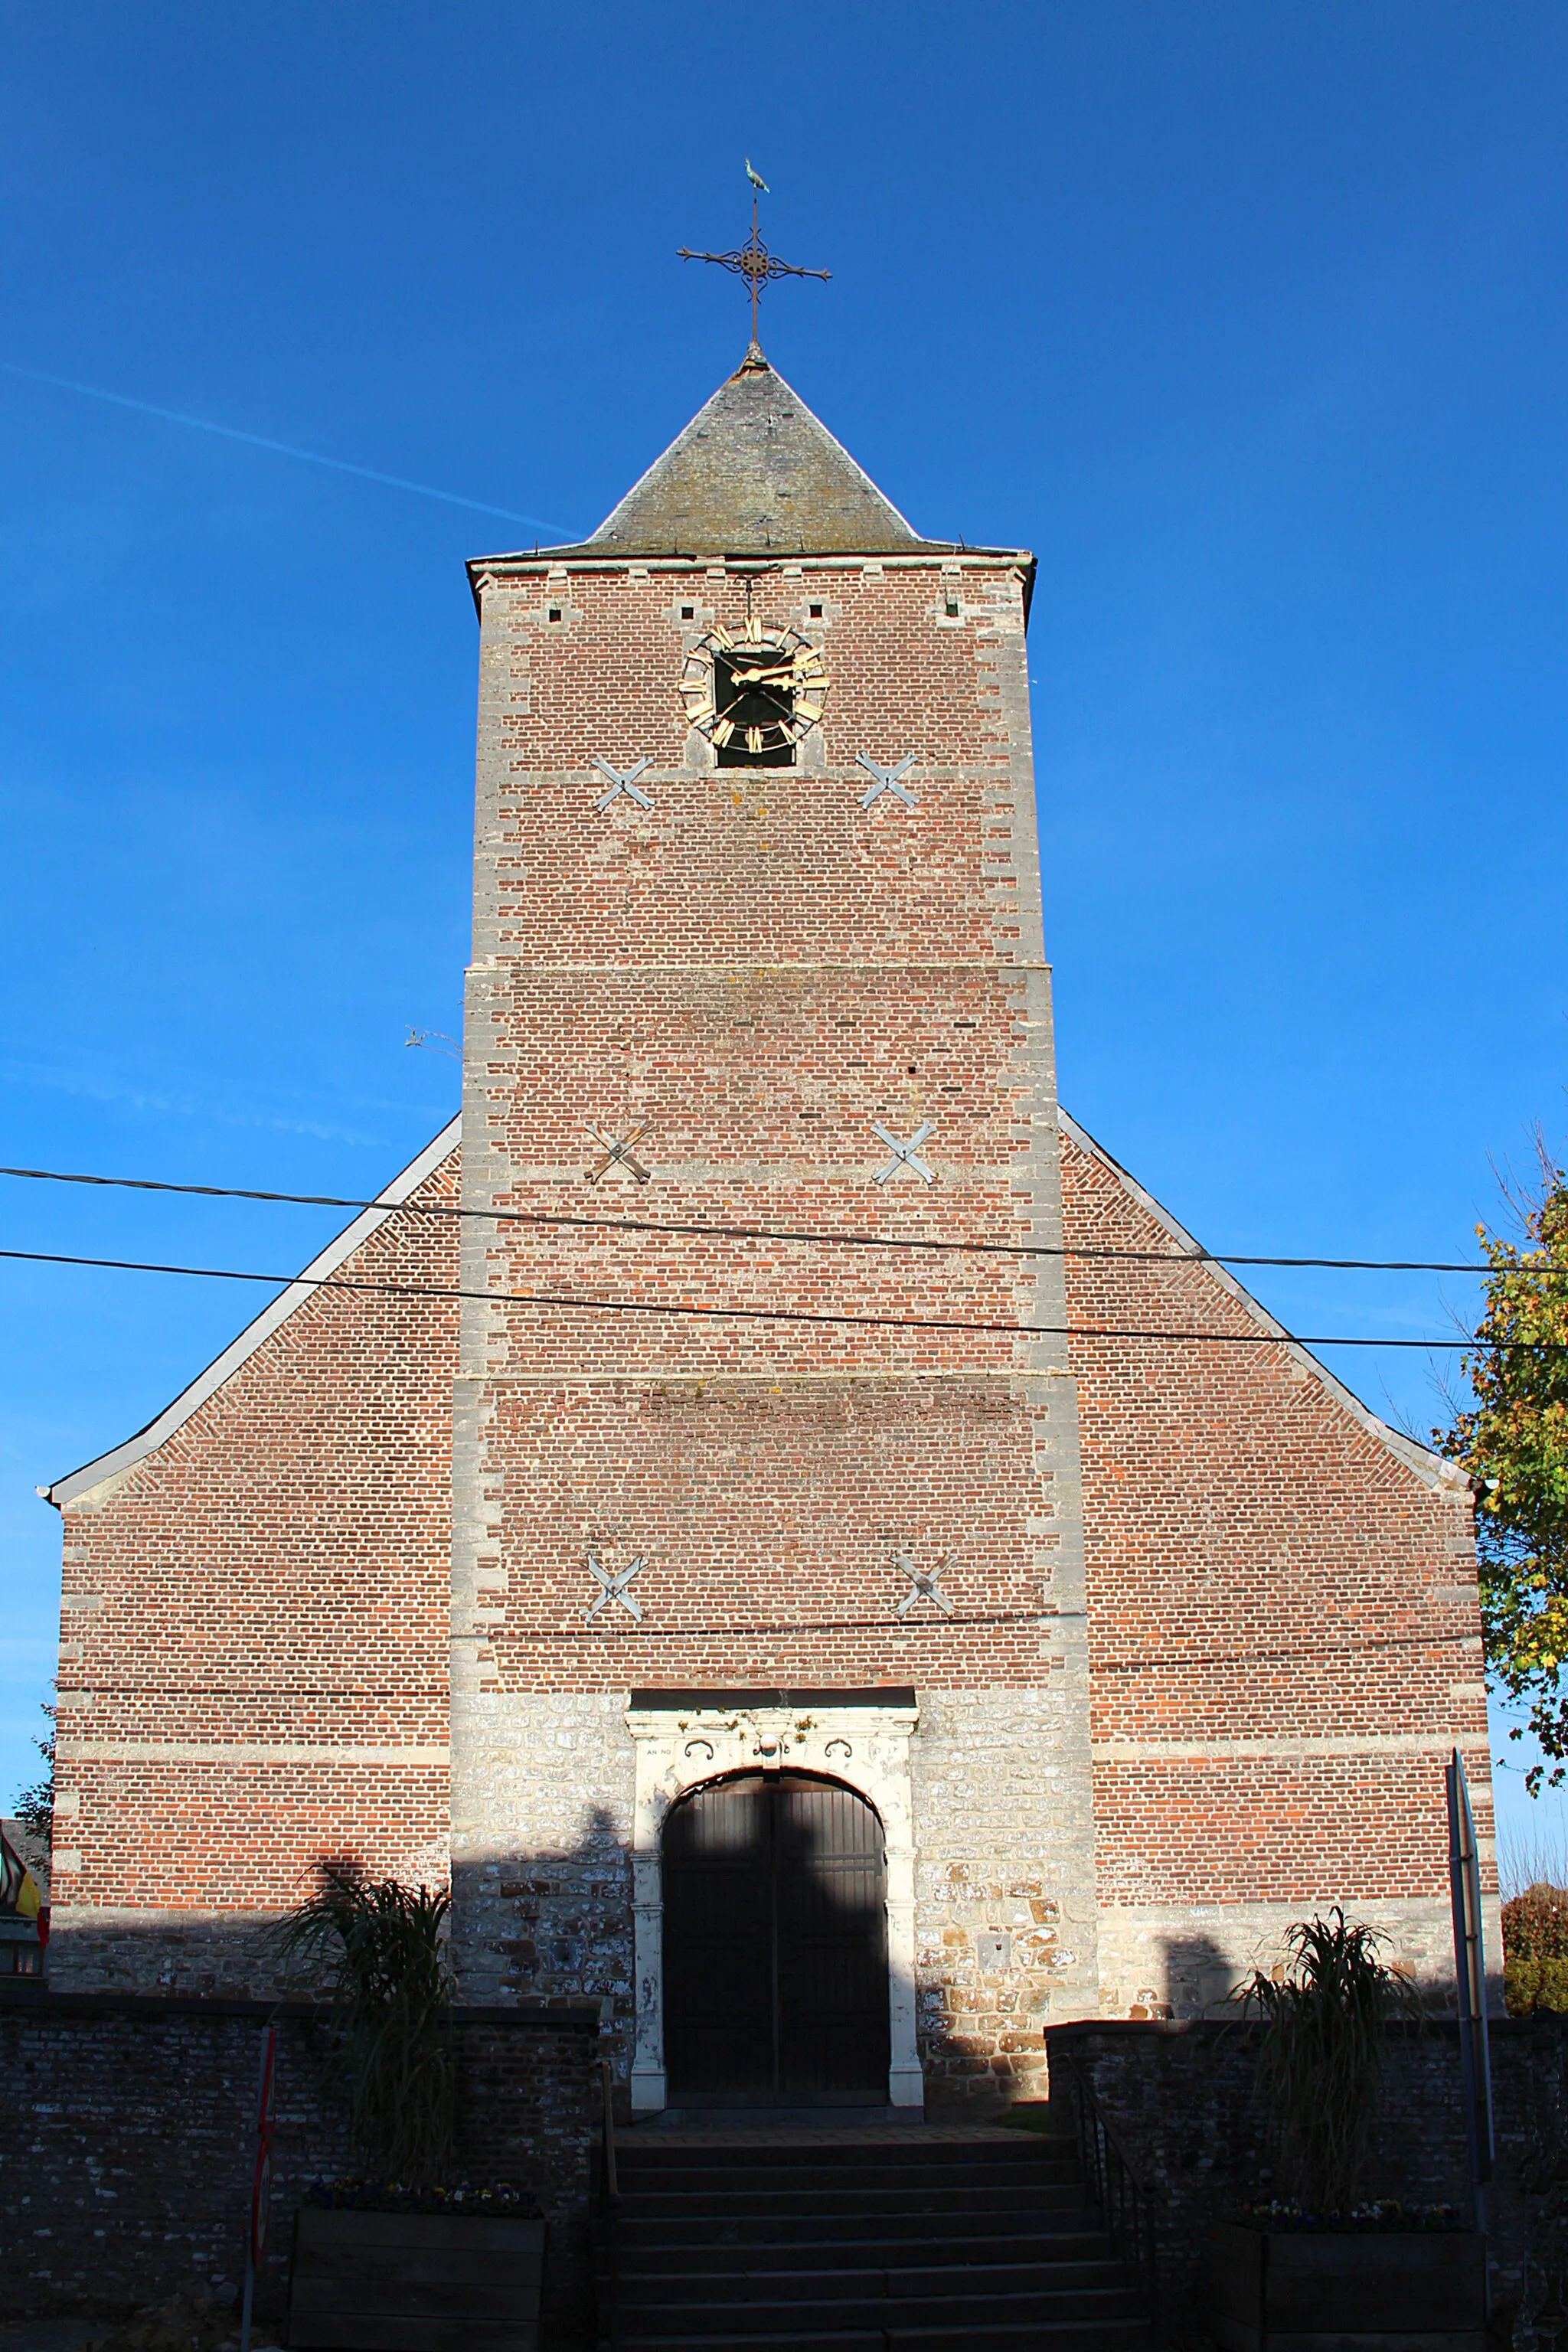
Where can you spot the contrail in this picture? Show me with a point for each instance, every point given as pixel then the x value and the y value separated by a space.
pixel 283 448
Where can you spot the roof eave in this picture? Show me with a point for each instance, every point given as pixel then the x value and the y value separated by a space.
pixel 522 563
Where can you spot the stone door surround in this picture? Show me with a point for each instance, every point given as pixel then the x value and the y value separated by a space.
pixel 859 1736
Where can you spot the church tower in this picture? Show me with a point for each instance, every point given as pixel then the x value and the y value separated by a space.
pixel 768 1550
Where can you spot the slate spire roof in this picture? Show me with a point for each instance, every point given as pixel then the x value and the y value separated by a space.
pixel 755 473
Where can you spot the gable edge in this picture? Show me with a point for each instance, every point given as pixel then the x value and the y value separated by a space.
pixel 1434 1471
pixel 77 1482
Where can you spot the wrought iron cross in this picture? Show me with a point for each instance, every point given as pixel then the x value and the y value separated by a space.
pixel 619 783
pixel 925 1583
pixel 614 1582
pixel 754 263
pixel 617 1149
pixel 905 1155
pixel 887 780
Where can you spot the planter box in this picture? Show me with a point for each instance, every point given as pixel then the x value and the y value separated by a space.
pixel 1347 2291
pixel 414 2282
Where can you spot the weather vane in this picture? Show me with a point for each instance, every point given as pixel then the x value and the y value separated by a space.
pixel 753 261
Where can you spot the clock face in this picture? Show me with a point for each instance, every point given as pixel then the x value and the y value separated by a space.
pixel 754 695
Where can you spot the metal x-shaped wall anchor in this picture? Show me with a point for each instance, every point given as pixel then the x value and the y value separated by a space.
pixel 619 783
pixel 905 1155
pixel 887 780
pixel 618 1154
pixel 924 1583
pixel 615 1582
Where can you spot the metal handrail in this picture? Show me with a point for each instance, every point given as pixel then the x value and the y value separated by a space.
pixel 609 2182
pixel 606 2251
pixel 1123 2195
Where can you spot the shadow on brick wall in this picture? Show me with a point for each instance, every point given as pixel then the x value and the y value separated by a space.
pixel 1199 1977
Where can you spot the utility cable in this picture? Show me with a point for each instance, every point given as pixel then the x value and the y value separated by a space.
pixel 1278 1336
pixel 768 1232
pixel 521 1635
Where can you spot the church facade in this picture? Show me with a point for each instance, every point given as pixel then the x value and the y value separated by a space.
pixel 765 1501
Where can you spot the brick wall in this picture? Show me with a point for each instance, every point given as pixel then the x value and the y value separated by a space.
pixel 756 968
pixel 1181 2097
pixel 1284 1631
pixel 127 2137
pixel 253 1663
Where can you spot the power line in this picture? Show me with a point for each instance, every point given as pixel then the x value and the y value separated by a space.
pixel 519 1635
pixel 765 1232
pixel 1278 1336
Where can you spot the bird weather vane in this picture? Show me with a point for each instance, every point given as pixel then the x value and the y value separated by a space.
pixel 753 261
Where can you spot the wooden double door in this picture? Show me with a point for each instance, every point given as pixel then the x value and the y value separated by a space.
pixel 775 1944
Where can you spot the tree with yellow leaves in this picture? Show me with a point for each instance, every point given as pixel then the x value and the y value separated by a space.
pixel 1514 1442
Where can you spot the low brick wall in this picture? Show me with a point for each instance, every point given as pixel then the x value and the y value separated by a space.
pixel 127 2134
pixel 1182 2099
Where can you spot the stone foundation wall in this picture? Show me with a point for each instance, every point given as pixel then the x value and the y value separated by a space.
pixel 1183 1960
pixel 127 2137
pixel 541 1847
pixel 1005 1929
pixel 1005 1934
pixel 1181 2097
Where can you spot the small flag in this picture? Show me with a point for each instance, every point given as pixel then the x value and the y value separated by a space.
pixel 18 1887
pixel 756 178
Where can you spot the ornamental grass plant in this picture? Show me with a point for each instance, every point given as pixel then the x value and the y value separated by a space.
pixel 1319 2064
pixel 382 1947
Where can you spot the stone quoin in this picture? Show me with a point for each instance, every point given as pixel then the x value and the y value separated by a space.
pixel 1129 1649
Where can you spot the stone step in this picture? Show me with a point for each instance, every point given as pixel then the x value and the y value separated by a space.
pixel 965 2247
pixel 1067 2215
pixel 783 2288
pixel 913 2146
pixel 711 2175
pixel 847 2197
pixel 978 2335
pixel 849 2312
pixel 875 2243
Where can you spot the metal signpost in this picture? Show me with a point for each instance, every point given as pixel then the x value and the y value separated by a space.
pixel 260 2178
pixel 1470 1975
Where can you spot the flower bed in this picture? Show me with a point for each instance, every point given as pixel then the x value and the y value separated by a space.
pixel 1374 2215
pixel 496 2200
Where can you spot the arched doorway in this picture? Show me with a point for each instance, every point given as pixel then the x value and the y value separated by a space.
pixel 775 1944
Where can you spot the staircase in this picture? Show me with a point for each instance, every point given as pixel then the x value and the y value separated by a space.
pixel 903 2239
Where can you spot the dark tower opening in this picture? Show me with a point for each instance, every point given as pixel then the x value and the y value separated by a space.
pixel 762 717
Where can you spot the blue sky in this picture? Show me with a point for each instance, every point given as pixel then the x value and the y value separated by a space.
pixel 1249 317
